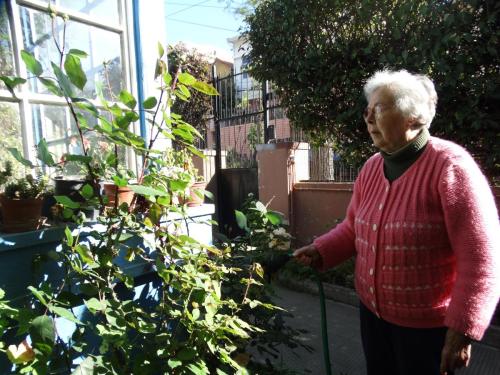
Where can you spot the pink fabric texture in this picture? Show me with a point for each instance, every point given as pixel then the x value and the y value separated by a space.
pixel 427 245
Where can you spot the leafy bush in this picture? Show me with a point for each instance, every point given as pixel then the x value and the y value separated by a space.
pixel 196 110
pixel 258 252
pixel 319 53
pixel 184 321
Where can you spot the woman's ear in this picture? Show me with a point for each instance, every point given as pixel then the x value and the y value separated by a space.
pixel 412 123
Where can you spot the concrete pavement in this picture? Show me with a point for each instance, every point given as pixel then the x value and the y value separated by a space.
pixel 345 341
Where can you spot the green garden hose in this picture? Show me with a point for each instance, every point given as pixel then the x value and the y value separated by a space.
pixel 324 327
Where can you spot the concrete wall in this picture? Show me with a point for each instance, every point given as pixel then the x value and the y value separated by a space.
pixel 317 207
pixel 280 166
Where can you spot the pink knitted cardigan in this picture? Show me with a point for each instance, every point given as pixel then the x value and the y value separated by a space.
pixel 426 245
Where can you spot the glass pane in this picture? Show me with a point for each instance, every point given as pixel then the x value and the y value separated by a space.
pixel 101 10
pixel 10 135
pixel 98 146
pixel 6 62
pixel 50 122
pixel 59 130
pixel 102 46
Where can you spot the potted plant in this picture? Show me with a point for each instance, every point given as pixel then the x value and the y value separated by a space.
pixel 194 195
pixel 21 201
pixel 116 188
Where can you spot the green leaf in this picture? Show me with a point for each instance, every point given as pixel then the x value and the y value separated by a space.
pixel 73 67
pixel 127 99
pixel 66 201
pixel 69 236
pixel 43 153
pixel 64 313
pixel 167 78
pixel 86 105
pixel 32 64
pixel 163 201
pixel 78 53
pixel 186 79
pixel 51 86
pixel 87 191
pixel 173 363
pixel 95 305
pixel 241 219
pixel 196 314
pixel 85 253
pixel 186 354
pixel 208 194
pixel 274 217
pixel 63 81
pixel 184 91
pixel 120 181
pixel 12 82
pixel 198 368
pixel 78 158
pixel 42 330
pixel 17 155
pixel 178 185
pixel 38 294
pixel 88 289
pixel 85 368
pixel 161 50
pixel 182 133
pixel 204 88
pixel 149 102
pixel 147 190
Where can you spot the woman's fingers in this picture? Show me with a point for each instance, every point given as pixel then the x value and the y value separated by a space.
pixel 307 255
pixel 456 352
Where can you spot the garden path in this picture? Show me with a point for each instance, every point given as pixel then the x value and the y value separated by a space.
pixel 344 337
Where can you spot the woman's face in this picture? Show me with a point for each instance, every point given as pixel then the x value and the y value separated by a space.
pixel 388 128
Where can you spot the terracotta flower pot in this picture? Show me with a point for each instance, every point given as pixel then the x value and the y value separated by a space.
pixel 196 197
pixel 21 215
pixel 125 194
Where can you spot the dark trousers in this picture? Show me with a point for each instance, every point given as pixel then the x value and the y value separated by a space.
pixel 395 350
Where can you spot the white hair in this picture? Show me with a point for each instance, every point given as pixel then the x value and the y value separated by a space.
pixel 414 94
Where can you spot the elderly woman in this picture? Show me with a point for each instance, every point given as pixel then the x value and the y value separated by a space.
pixel 424 229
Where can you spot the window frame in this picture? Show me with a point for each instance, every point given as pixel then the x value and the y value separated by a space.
pixel 26 98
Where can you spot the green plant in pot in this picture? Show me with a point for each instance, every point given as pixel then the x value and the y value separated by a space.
pixel 21 201
pixel 194 195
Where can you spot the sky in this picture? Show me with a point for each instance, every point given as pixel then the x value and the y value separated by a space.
pixel 206 22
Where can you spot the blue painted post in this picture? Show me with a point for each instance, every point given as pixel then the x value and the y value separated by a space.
pixel 138 65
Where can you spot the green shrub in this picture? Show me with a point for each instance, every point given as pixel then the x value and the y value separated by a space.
pixel 319 54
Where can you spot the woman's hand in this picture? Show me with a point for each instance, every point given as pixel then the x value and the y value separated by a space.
pixel 456 351
pixel 308 256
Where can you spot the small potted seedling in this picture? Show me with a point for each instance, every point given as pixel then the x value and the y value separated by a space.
pixel 21 201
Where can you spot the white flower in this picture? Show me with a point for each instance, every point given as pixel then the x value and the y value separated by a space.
pixel 280 231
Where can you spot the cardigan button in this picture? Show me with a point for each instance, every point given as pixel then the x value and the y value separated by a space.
pixel 380 206
pixel 371 290
pixel 371 271
pixel 374 227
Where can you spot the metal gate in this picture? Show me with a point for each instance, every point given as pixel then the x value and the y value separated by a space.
pixel 245 114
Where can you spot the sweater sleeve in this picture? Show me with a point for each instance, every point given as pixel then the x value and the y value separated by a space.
pixel 338 245
pixel 473 229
